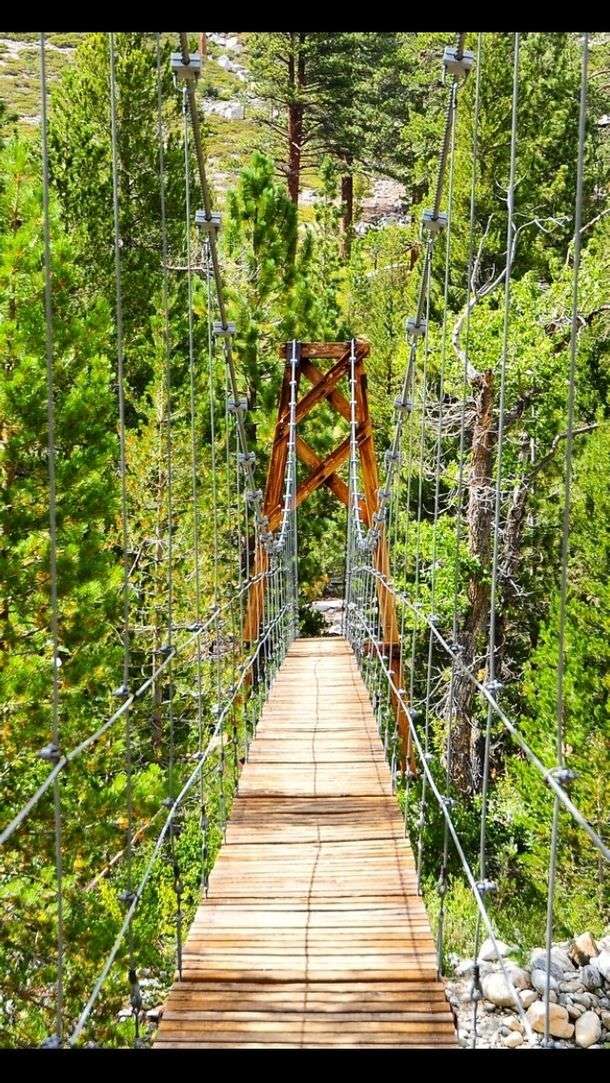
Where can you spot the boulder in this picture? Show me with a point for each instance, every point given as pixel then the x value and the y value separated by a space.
pixel 513 1040
pixel 591 978
pixel 574 986
pixel 588 1030
pixel 497 990
pixel 527 997
pixel 559 1023
pixel 605 1018
pixel 575 1010
pixel 538 979
pixel 560 961
pixel 583 948
pixel 488 953
pixel 602 963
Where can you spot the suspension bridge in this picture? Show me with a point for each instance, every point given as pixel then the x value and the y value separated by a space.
pixel 311 929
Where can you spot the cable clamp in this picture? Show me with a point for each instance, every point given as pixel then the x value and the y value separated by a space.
pixel 122 692
pixel 208 222
pixel 127 898
pixel 384 494
pixel 493 686
pixel 51 753
pixel 414 713
pixel 196 626
pixel 476 989
pixel 52 1042
pixel 415 328
pixel 391 456
pixel 434 618
pixel 403 406
pixel 186 72
pixel 135 993
pixel 563 775
pixel 449 802
pixel 486 887
pixel 238 405
pixel 165 650
pixel 244 457
pixel 429 757
pixel 456 64
pixel 254 495
pixel 216 709
pixel 223 329
pixel 434 223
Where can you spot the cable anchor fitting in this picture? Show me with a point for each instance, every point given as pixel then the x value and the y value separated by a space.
pixel 209 222
pixel 486 887
pixel 188 72
pixel 415 328
pixel 434 223
pixel 135 993
pixel 52 1042
pixel 223 330
pixel 403 406
pixel 563 775
pixel 457 64
pixel 50 753
pixel 236 406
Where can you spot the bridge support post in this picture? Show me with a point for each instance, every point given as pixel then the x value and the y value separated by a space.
pixel 326 472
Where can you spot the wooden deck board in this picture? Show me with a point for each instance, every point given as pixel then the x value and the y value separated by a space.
pixel 313 934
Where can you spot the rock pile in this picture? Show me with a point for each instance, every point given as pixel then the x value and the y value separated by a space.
pixel 578 979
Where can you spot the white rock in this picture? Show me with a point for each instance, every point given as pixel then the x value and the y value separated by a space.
pixel 575 1010
pixel 559 1023
pixel 488 953
pixel 513 1040
pixel 602 963
pixel 590 977
pixel 514 1023
pixel 588 1030
pixel 497 990
pixel 560 961
pixel 229 110
pixel 527 997
pixel 605 1018
pixel 539 981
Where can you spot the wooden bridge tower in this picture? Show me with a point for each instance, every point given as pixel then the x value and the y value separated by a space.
pixel 325 472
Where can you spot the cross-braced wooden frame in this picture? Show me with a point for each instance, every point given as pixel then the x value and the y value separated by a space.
pixel 324 472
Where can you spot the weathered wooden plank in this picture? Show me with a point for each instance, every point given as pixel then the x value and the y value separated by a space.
pixel 313 933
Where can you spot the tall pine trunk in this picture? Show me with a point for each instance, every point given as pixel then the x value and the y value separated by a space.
pixel 296 71
pixel 465 736
pixel 347 220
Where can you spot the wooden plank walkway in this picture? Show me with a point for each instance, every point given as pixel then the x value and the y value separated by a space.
pixel 312 934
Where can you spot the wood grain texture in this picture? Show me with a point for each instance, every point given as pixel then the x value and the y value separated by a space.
pixel 313 934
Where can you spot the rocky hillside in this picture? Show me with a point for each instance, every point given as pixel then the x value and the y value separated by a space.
pixel 232 110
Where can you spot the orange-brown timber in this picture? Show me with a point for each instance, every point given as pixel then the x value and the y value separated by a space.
pixel 313 933
pixel 324 472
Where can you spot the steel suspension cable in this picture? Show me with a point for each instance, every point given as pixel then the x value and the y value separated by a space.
pixel 220 297
pixel 137 894
pixel 438 455
pixel 54 605
pixel 194 462
pixel 565 530
pixel 124 690
pixel 460 492
pixel 491 653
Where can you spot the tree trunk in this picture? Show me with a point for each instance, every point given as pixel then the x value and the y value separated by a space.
pixel 296 74
pixel 347 202
pixel 471 637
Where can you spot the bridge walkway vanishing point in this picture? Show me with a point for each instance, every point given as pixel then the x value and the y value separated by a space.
pixel 312 933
